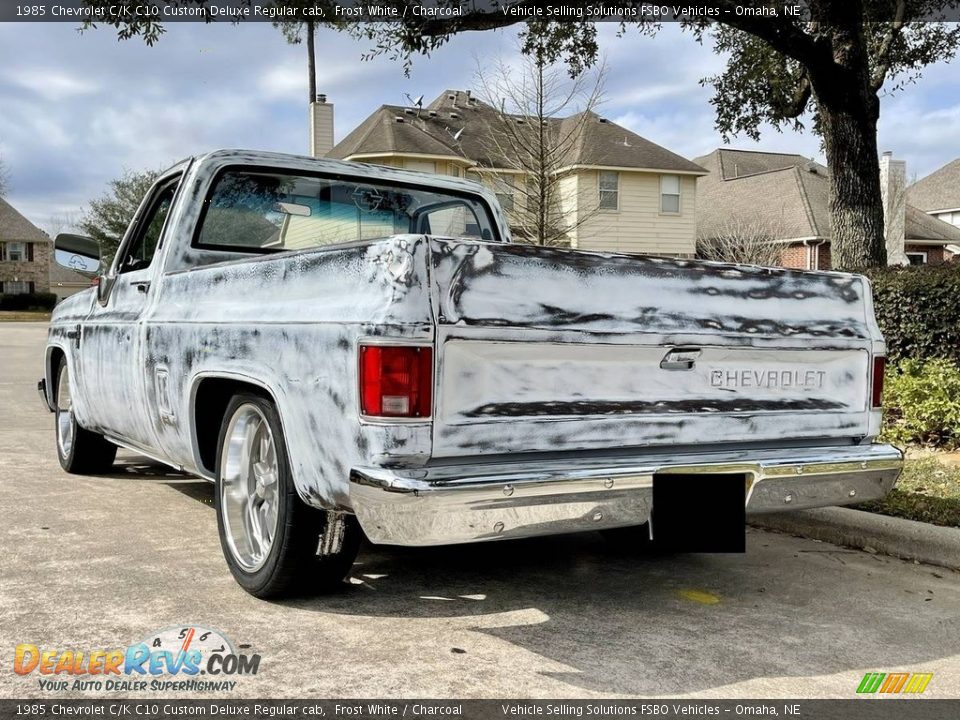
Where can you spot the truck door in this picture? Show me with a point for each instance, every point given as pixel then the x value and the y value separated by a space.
pixel 111 347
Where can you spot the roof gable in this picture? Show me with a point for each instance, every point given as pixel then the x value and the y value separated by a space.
pixel 14 226
pixel 431 131
pixel 785 194
pixel 940 190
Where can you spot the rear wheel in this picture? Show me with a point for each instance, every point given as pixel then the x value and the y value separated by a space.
pixel 274 543
pixel 80 451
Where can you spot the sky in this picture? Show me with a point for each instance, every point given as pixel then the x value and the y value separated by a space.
pixel 77 109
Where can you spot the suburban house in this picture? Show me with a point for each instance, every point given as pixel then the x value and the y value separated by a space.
pixel 620 191
pixel 24 254
pixel 938 194
pixel 786 198
pixel 64 282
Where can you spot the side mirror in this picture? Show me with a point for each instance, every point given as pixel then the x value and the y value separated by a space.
pixel 78 253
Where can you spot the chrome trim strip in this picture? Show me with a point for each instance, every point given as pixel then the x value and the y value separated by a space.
pixel 467 503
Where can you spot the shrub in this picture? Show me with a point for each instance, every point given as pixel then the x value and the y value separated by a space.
pixel 918 309
pixel 28 301
pixel 921 403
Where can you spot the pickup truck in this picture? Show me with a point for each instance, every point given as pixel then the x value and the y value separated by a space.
pixel 348 350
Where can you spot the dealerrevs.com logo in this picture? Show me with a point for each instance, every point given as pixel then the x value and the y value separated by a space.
pixel 188 658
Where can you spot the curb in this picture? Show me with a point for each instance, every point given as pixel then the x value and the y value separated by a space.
pixel 905 539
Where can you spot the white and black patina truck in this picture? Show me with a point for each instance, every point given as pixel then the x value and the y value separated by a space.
pixel 343 347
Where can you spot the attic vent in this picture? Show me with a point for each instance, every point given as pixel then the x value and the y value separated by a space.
pixel 451 96
pixel 604 120
pixel 399 118
pixel 432 113
pixel 408 111
pixel 454 115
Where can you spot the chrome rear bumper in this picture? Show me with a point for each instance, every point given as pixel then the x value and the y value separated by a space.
pixel 468 503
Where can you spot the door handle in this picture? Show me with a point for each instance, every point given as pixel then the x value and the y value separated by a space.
pixel 141 285
pixel 74 335
pixel 680 358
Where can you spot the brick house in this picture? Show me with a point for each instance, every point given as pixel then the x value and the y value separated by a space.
pixel 617 190
pixel 25 252
pixel 786 196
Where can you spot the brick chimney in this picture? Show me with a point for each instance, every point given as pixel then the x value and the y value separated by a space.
pixel 893 188
pixel 321 127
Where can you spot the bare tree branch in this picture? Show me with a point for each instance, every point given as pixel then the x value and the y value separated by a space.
pixel 537 119
pixel 881 62
pixel 745 242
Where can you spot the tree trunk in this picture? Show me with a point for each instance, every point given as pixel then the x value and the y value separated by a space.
pixel 856 204
pixel 311 62
pixel 849 110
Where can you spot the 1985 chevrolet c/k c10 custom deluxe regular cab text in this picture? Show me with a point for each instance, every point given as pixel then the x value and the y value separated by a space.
pixel 342 347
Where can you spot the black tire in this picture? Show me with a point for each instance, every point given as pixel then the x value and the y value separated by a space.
pixel 291 565
pixel 80 451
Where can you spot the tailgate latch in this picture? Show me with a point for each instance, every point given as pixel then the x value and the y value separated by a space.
pixel 680 358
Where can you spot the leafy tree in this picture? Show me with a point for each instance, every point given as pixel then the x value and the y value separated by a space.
pixel 830 64
pixel 107 218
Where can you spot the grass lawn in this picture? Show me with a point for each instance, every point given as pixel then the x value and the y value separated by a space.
pixel 928 491
pixel 24 316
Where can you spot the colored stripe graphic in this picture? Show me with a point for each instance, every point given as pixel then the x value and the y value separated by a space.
pixel 894 682
pixel 918 683
pixel 871 682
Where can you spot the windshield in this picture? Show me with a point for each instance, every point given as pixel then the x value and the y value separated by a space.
pixel 272 212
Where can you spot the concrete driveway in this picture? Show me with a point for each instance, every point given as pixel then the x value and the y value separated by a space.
pixel 100 562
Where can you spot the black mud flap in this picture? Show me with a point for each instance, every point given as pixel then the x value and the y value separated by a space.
pixel 699 513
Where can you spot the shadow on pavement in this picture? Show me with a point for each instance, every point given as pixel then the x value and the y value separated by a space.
pixel 657 625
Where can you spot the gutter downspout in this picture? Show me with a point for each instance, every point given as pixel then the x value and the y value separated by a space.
pixel 813 258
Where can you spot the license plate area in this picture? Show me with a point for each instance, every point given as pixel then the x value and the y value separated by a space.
pixel 699 512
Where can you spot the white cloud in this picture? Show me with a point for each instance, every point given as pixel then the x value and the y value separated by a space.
pixel 52 84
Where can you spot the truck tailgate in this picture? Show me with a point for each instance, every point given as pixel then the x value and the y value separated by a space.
pixel 545 350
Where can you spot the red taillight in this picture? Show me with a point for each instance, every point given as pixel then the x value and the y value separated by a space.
pixel 879 368
pixel 396 380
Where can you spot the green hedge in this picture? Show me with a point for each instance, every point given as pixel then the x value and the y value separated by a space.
pixel 918 309
pixel 28 301
pixel 921 403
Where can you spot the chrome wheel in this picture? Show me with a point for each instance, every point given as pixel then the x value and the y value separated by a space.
pixel 249 487
pixel 66 427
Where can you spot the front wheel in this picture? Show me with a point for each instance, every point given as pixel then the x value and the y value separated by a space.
pixel 79 451
pixel 274 543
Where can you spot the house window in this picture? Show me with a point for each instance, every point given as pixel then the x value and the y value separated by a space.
pixel 609 190
pixel 470 175
pixel 670 194
pixel 917 258
pixel 453 170
pixel 504 188
pixel 15 252
pixel 15 287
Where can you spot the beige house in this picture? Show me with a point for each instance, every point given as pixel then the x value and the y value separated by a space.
pixel 618 191
pixel 24 254
pixel 785 197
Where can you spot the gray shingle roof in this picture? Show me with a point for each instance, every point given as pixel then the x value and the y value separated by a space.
pixel 940 190
pixel 14 226
pixel 784 193
pixel 395 129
